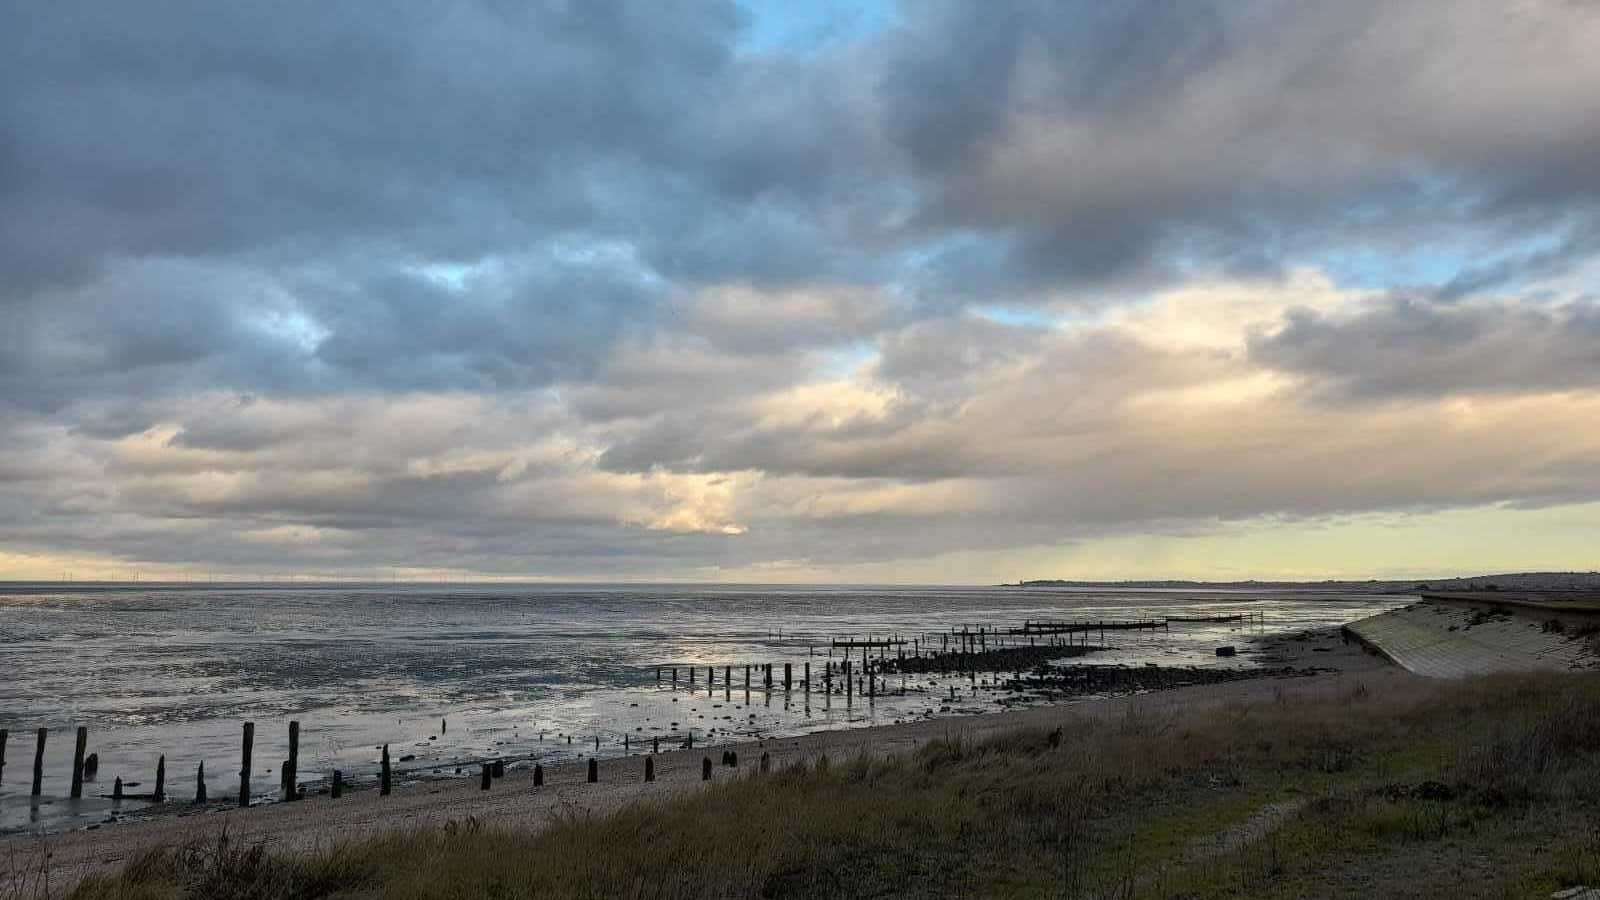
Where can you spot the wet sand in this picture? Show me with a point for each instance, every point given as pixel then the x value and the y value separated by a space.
pixel 321 823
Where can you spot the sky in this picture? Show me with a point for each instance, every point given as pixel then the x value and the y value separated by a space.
pixel 865 292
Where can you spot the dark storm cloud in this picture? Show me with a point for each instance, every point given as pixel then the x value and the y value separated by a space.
pixel 303 162
pixel 1409 347
pixel 1107 141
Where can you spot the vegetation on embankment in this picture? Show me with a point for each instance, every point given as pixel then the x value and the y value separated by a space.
pixel 1480 788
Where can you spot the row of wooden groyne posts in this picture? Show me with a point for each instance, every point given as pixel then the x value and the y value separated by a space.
pixel 958 650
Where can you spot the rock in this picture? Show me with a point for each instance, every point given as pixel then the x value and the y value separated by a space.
pixel 1226 651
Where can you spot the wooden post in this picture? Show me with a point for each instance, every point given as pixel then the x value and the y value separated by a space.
pixel 200 784
pixel 655 745
pixel 384 783
pixel 4 735
pixel 727 677
pixel 788 676
pixel 538 775
pixel 292 779
pixel 337 789
pixel 160 793
pixel 674 676
pixel 747 678
pixel 38 762
pixel 658 674
pixel 483 781
pixel 78 748
pixel 808 678
pixel 444 725
pixel 244 763
pixel 116 789
pixel 594 770
pixel 705 769
pixel 649 768
pixel 691 676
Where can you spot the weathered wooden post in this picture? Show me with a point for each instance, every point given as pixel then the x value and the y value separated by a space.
pixel 244 763
pixel 658 674
pixel 727 678
pixel 849 685
pixel 116 789
pixel 808 678
pixel 160 793
pixel 337 789
pixel 383 777
pixel 200 784
pixel 444 725
pixel 38 761
pixel 691 677
pixel 705 769
pixel 655 745
pixel 788 676
pixel 292 779
pixel 594 770
pixel 538 775
pixel 4 735
pixel 483 779
pixel 649 768
pixel 78 748
pixel 674 676
pixel 766 762
pixel 597 743
pixel 625 747
pixel 872 680
pixel 747 678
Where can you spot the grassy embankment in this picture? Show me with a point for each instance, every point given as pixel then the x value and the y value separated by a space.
pixel 1484 788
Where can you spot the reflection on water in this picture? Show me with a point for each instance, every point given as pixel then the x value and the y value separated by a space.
pixel 517 671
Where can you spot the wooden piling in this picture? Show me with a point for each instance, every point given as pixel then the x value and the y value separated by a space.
pixel 727 678
pixel 649 768
pixel 160 793
pixel 383 777
pixel 808 677
pixel 594 770
pixel 747 678
pixel 788 676
pixel 674 676
pixel 244 763
pixel 38 761
pixel 483 778
pixel 538 775
pixel 78 749
pixel 116 789
pixel 200 784
pixel 766 762
pixel 4 735
pixel 705 769
pixel 337 789
pixel 292 779
pixel 655 745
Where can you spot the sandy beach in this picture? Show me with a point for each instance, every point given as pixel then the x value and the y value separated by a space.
pixel 320 822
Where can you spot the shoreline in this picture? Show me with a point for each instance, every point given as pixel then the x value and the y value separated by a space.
pixel 319 822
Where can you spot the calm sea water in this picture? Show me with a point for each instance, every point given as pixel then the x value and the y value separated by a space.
pixel 516 670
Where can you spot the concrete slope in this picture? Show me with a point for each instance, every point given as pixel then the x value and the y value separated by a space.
pixel 1451 640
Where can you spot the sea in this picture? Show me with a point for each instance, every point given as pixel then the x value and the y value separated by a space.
pixel 450 675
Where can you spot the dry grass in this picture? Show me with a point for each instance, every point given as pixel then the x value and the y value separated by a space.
pixel 1489 781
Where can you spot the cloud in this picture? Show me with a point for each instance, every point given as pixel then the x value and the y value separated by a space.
pixel 1409 347
pixel 649 289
